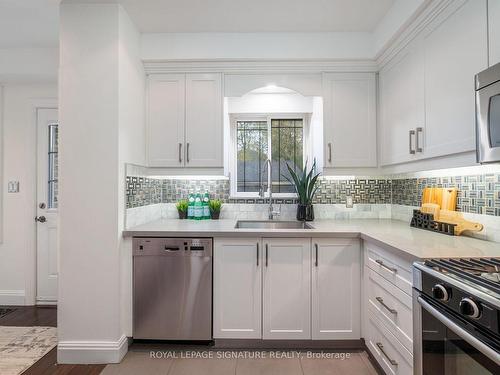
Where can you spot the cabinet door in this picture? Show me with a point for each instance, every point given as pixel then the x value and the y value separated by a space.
pixel 401 88
pixel 237 288
pixel 494 31
pixel 336 289
pixel 165 134
pixel 455 50
pixel 350 128
pixel 286 288
pixel 204 139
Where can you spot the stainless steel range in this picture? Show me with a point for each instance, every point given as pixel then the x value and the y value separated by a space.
pixel 456 316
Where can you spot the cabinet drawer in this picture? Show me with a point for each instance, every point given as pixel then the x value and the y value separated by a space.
pixel 392 306
pixel 391 267
pixel 387 350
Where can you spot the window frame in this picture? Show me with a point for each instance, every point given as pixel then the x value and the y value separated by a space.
pixel 267 117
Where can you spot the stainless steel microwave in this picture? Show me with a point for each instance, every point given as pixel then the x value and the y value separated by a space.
pixel 488 115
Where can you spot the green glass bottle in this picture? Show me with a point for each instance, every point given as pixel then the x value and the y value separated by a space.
pixel 206 209
pixel 190 206
pixel 198 207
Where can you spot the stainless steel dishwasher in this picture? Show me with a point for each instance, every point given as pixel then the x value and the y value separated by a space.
pixel 172 288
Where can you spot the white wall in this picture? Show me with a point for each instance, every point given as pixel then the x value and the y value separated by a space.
pixel 101 113
pixel 29 65
pixel 19 164
pixel 257 45
pixel 271 103
pixel 132 145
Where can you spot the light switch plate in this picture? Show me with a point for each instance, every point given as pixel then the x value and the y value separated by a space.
pixel 349 202
pixel 13 187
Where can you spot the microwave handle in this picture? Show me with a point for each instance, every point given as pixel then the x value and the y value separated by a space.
pixel 486 350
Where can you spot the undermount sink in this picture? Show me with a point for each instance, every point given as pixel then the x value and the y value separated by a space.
pixel 269 224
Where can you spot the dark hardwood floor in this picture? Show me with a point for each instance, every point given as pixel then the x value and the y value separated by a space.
pixel 27 316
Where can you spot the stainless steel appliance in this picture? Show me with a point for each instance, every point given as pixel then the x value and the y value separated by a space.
pixel 488 115
pixel 172 288
pixel 456 316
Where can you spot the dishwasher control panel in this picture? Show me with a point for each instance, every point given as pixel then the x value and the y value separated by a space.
pixel 172 246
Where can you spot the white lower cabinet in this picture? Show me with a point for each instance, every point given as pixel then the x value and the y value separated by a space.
pixel 237 288
pixel 387 350
pixel 277 288
pixel 336 292
pixel 287 288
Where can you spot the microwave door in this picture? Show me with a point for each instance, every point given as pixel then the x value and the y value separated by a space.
pixel 488 123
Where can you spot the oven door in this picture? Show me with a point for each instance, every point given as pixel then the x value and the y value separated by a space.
pixel 488 123
pixel 442 346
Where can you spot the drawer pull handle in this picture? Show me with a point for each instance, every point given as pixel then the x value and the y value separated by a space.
pixel 381 301
pixel 393 270
pixel 381 348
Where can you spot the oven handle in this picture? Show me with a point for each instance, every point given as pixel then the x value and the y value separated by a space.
pixel 486 350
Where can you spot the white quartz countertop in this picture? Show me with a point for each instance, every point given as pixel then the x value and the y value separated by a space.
pixel 394 235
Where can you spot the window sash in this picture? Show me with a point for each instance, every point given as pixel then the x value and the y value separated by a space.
pixel 235 118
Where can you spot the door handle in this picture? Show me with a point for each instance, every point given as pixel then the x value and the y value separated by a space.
pixel 187 152
pixel 329 152
pixel 180 152
pixel 267 250
pixel 41 219
pixel 417 139
pixel 410 142
pixel 316 250
pixel 257 254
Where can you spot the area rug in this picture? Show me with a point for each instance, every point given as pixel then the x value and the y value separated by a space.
pixel 4 311
pixel 21 347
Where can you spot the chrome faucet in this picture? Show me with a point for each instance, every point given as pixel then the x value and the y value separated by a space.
pixel 271 211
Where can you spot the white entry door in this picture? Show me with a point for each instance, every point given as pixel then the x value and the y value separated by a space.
pixel 47 207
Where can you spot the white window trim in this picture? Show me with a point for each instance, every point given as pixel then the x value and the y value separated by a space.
pixel 234 118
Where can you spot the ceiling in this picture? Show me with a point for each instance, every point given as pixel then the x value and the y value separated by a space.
pixel 256 15
pixel 29 23
pixel 35 23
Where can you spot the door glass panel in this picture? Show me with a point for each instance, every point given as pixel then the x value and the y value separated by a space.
pixel 494 121
pixel 53 164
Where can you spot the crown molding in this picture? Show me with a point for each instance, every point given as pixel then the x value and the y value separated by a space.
pixel 242 66
pixel 412 29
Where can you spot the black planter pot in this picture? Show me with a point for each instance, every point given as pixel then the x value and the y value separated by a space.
pixel 215 215
pixel 182 214
pixel 305 212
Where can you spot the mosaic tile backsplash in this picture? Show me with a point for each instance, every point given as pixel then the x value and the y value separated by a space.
pixel 142 191
pixel 478 194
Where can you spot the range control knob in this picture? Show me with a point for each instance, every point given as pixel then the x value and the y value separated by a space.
pixel 469 308
pixel 441 292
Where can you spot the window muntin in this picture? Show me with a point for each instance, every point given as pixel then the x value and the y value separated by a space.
pixel 282 137
pixel 53 163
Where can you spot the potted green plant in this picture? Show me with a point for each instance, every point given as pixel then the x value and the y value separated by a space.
pixel 305 184
pixel 182 208
pixel 215 206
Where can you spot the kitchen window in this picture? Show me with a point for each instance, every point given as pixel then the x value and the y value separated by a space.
pixel 281 138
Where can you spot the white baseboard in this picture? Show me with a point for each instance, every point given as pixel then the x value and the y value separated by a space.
pixel 12 297
pixel 92 352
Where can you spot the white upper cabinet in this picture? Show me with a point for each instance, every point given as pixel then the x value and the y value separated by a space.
pixel 349 117
pixel 401 85
pixel 336 290
pixel 204 127
pixel 494 31
pixel 185 120
pixel 427 88
pixel 287 288
pixel 166 107
pixel 456 48
pixel 237 288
